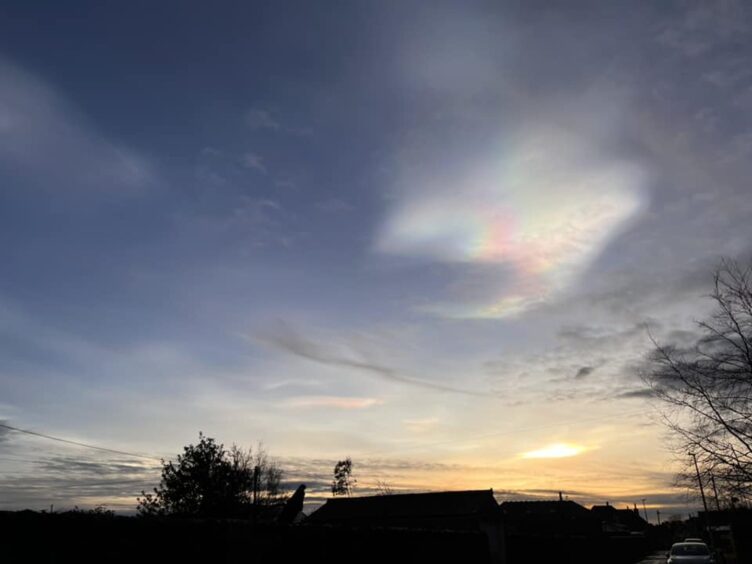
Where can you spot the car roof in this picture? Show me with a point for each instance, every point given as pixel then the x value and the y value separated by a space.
pixel 688 543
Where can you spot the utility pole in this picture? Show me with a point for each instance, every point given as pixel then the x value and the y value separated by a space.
pixel 658 513
pixel 715 493
pixel 256 484
pixel 699 481
pixel 255 480
pixel 645 510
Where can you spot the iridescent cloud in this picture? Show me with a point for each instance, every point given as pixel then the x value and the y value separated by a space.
pixel 333 402
pixel 544 204
pixel 556 450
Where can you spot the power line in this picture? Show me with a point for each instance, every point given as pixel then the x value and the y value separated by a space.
pixel 80 444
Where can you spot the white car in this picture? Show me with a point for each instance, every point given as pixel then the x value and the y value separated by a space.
pixel 690 553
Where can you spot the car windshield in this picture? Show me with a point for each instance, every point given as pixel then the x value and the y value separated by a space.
pixel 689 549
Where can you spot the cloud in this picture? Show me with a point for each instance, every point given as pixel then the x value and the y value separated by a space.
pixel 642 393
pixel 542 204
pixel 584 371
pixel 69 465
pixel 420 425
pixel 334 205
pixel 285 338
pixel 259 119
pixel 704 27
pixel 5 432
pixel 257 222
pixel 254 161
pixel 332 402
pixel 74 480
pixel 557 450
pixel 256 118
pixel 52 145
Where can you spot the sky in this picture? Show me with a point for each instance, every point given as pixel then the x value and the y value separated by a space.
pixel 432 236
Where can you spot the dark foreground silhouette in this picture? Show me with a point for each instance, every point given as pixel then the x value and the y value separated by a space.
pixel 458 527
pixel 35 537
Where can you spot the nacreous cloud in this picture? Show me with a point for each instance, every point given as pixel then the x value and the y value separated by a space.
pixel 556 450
pixel 542 204
pixel 333 402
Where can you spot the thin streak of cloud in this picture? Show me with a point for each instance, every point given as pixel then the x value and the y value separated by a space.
pixel 257 118
pixel 284 338
pixel 254 161
pixel 334 205
pixel 333 402
pixel 260 119
pixel 421 425
pixel 642 393
pixel 44 136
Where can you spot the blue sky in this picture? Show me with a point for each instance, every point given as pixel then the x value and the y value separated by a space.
pixel 426 235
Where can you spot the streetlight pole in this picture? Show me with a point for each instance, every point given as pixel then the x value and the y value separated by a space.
pixel 699 481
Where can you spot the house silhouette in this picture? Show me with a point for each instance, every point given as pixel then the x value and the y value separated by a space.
pixel 471 511
pixel 562 517
pixel 619 520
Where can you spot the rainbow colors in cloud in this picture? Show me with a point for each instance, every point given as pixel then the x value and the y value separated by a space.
pixel 556 450
pixel 544 206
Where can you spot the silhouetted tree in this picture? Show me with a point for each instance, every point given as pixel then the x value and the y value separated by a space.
pixel 707 387
pixel 343 482
pixel 209 481
pixel 98 511
pixel 383 488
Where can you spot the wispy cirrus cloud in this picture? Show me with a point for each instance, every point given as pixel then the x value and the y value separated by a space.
pixel 334 205
pixel 4 432
pixel 257 118
pixel 53 144
pixel 421 425
pixel 254 161
pixel 332 402
pixel 261 119
pixel 284 337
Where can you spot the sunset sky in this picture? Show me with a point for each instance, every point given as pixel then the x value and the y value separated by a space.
pixel 431 236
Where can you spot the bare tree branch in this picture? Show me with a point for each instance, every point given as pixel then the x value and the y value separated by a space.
pixel 707 388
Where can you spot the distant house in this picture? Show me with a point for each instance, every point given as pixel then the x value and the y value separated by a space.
pixel 548 518
pixel 614 520
pixel 471 511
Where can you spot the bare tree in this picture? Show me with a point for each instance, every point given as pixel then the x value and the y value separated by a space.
pixel 707 387
pixel 266 475
pixel 383 488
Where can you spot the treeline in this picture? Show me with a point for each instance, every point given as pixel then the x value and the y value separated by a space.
pixel 208 480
